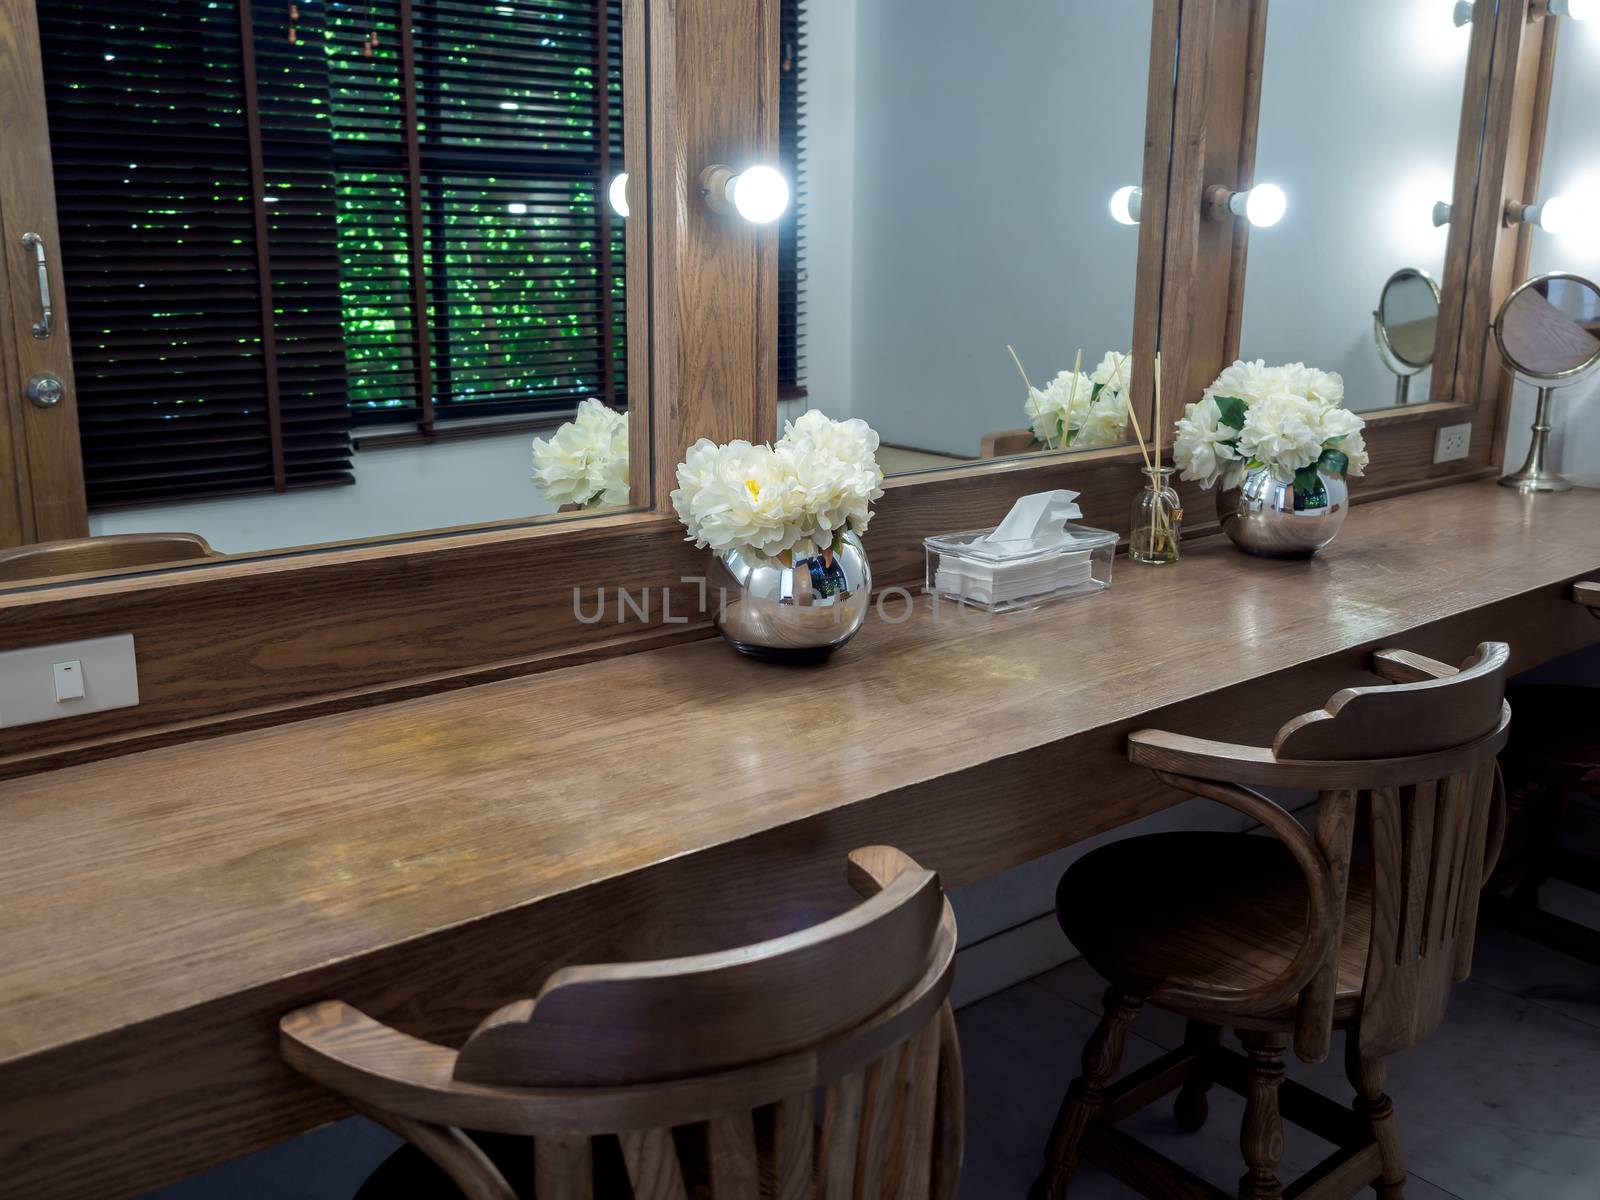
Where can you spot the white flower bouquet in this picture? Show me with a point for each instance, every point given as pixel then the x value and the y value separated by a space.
pixel 1287 419
pixel 1082 411
pixel 787 501
pixel 585 462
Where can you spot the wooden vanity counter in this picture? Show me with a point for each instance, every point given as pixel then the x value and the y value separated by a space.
pixel 431 859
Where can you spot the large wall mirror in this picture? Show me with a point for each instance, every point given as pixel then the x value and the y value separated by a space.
pixel 957 167
pixel 1351 278
pixel 326 277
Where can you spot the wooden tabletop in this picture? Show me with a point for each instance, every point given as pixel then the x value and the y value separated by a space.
pixel 206 887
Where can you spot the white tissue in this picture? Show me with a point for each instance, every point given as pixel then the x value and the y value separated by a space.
pixel 1037 517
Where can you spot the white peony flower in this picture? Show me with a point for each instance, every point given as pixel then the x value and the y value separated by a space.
pixel 835 468
pixel 586 460
pixel 801 494
pixel 1203 448
pixel 1056 412
pixel 1115 372
pixel 1105 424
pixel 738 495
pixel 1284 432
pixel 1291 416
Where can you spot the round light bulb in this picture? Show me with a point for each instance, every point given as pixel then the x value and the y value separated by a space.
pixel 1578 10
pixel 1125 205
pixel 1558 215
pixel 1265 204
pixel 760 194
pixel 618 193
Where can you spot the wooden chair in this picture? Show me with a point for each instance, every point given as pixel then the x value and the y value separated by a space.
pixel 694 1076
pixel 96 555
pixel 1292 936
pixel 1554 752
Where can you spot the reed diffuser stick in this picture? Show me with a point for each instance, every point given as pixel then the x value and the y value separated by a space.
pixel 1072 396
pixel 1029 386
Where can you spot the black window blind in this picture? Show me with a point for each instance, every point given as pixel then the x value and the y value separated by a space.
pixel 791 228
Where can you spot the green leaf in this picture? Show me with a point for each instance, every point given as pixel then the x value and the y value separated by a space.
pixel 1095 394
pixel 1334 462
pixel 1232 409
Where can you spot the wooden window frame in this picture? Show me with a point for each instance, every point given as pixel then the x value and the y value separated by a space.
pixel 257 641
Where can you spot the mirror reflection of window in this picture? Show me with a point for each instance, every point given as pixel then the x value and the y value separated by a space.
pixel 958 163
pixel 1364 156
pixel 317 294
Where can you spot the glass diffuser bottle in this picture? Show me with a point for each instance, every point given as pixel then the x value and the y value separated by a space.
pixel 1157 516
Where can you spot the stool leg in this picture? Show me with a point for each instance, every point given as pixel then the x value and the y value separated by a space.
pixel 1369 1076
pixel 1087 1095
pixel 1261 1136
pixel 1191 1108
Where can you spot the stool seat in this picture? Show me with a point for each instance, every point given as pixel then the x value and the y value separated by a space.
pixel 1220 910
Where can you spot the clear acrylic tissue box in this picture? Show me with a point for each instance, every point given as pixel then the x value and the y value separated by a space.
pixel 1023 573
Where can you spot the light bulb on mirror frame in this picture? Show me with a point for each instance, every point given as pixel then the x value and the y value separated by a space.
pixel 759 194
pixel 1556 215
pixel 1126 203
pixel 1262 205
pixel 1577 10
pixel 618 194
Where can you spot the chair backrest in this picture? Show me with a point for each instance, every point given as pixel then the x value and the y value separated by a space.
pixel 1420 749
pixel 113 552
pixel 697 1076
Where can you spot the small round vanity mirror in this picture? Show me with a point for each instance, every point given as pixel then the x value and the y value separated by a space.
pixel 1548 331
pixel 1405 325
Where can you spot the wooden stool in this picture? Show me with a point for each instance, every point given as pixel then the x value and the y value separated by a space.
pixel 1554 751
pixel 694 1076
pixel 1290 937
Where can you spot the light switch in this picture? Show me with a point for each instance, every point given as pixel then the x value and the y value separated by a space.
pixel 69 680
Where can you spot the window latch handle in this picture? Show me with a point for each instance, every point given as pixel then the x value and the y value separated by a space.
pixel 45 326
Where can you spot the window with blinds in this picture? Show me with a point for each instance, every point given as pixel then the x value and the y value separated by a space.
pixel 282 219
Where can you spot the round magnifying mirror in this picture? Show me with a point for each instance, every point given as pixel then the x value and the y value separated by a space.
pixel 1548 331
pixel 1406 325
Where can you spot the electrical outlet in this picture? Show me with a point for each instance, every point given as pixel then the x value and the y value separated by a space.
pixel 1452 442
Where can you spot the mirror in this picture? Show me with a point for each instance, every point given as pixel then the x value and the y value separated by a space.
pixel 956 199
pixel 1548 331
pixel 1405 325
pixel 1364 157
pixel 1549 328
pixel 327 277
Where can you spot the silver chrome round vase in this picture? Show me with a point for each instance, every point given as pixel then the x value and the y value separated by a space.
pixel 796 612
pixel 1264 516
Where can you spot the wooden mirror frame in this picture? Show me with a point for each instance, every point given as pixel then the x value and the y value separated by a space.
pixel 244 644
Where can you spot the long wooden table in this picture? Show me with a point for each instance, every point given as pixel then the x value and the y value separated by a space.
pixel 432 859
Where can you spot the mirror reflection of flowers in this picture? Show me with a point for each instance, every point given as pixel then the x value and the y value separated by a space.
pixel 1083 411
pixel 787 501
pixel 584 464
pixel 1288 419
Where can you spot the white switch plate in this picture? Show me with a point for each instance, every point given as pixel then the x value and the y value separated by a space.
pixel 1452 442
pixel 108 674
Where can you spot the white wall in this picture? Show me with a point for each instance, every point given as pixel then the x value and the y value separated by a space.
pixel 988 139
pixel 1360 106
pixel 1571 168
pixel 399 490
